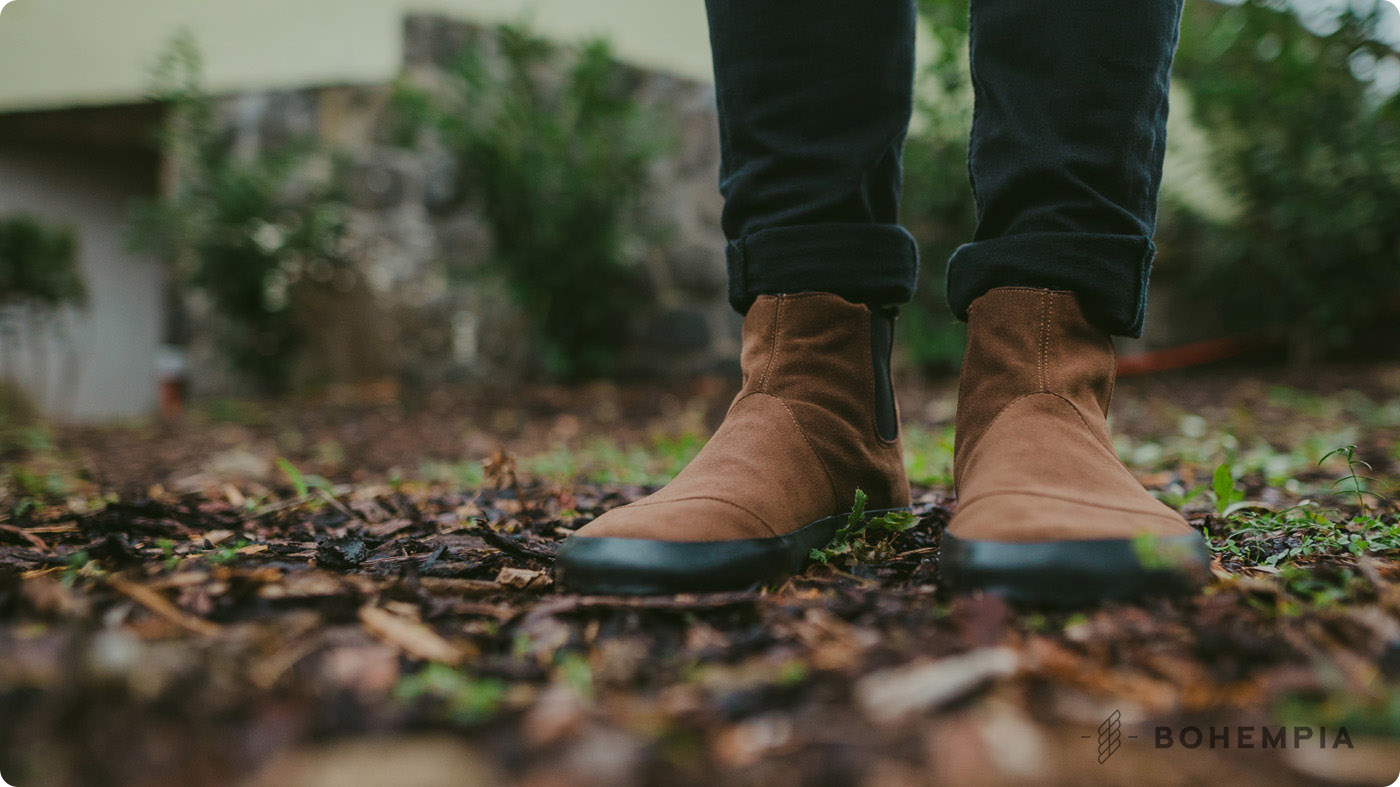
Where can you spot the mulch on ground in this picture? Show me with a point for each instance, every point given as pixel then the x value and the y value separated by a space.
pixel 179 607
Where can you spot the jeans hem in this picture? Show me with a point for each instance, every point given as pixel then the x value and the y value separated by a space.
pixel 1109 273
pixel 863 263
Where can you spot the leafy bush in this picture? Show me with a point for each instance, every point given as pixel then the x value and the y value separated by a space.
pixel 38 265
pixel 236 227
pixel 938 205
pixel 556 163
pixel 1306 135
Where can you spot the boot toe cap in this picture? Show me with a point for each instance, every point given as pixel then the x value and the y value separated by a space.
pixel 1023 516
pixel 682 520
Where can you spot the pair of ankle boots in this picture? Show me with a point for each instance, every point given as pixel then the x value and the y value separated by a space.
pixel 1046 512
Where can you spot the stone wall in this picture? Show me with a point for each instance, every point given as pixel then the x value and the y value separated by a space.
pixel 426 308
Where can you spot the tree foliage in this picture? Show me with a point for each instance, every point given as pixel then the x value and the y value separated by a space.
pixel 244 230
pixel 1305 133
pixel 38 265
pixel 554 149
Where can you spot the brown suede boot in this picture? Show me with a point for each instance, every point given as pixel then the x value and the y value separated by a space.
pixel 814 421
pixel 1046 511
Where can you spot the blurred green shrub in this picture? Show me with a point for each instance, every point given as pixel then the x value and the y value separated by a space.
pixel 39 265
pixel 554 149
pixel 938 204
pixel 246 231
pixel 1305 133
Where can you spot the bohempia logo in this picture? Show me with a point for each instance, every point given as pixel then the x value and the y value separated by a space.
pixel 1247 736
pixel 1242 736
pixel 1110 736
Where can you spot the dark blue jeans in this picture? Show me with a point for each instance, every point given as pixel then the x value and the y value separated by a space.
pixel 1065 158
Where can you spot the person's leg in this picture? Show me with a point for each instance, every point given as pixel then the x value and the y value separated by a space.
pixel 1066 156
pixel 1068 133
pixel 814 99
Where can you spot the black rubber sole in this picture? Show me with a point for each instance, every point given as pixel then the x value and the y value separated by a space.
pixel 1070 573
pixel 639 567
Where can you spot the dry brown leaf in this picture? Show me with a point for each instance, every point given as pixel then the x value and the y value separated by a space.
pixel 523 578
pixel 415 639
pixel 161 606
pixel 749 741
pixel 556 715
pixel 51 597
pixel 216 537
pixel 234 497
pixel 893 694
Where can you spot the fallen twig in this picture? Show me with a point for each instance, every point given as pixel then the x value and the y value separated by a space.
pixel 161 606
pixel 25 535
pixel 509 545
pixel 684 602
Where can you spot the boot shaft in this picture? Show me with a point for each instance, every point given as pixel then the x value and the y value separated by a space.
pixel 1023 341
pixel 827 359
pixel 823 350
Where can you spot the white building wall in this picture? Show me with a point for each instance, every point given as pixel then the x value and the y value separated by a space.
pixel 108 370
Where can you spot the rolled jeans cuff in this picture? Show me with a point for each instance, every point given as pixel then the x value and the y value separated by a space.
pixel 1109 273
pixel 863 263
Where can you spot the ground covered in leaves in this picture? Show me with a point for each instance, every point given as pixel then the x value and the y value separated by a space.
pixel 355 589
